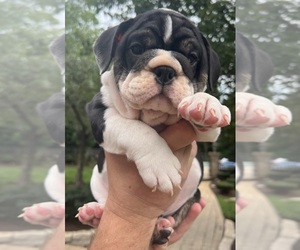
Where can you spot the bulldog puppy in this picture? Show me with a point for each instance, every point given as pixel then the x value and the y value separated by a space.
pixel 52 112
pixel 256 116
pixel 161 66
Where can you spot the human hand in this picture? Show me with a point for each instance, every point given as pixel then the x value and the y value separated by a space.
pixel 129 195
pixel 132 208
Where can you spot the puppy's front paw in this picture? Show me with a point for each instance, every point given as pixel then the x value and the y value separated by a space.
pixel 204 111
pixel 258 111
pixel 160 170
pixel 46 213
pixel 90 214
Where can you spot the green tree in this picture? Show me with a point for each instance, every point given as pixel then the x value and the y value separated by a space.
pixel 82 80
pixel 26 77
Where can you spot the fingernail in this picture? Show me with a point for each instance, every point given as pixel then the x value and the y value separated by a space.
pixel 226 118
pixel 212 112
pixel 199 106
pixel 21 215
pixel 184 105
pixel 285 119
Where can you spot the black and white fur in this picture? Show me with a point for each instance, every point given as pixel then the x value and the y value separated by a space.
pixel 161 64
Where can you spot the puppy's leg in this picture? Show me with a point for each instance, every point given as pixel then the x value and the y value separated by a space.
pixel 206 114
pixel 91 213
pixel 155 161
pixel 164 227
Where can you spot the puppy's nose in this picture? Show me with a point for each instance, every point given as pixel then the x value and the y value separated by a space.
pixel 164 75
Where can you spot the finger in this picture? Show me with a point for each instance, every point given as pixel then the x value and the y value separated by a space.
pixel 179 135
pixel 183 155
pixel 186 156
pixel 202 202
pixel 191 153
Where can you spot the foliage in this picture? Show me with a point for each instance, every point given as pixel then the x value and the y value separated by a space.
pixel 227 206
pixel 28 72
pixel 10 175
pixel 284 181
pixel 82 74
pixel 75 198
pixel 28 76
pixel 71 173
pixel 225 181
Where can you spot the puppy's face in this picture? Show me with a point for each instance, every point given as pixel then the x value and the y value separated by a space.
pixel 159 58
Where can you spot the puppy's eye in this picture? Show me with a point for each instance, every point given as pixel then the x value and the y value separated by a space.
pixel 137 49
pixel 193 58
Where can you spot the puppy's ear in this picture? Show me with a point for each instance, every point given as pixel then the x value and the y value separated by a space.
pixel 258 62
pixel 106 44
pixel 214 67
pixel 95 111
pixel 263 69
pixel 52 112
pixel 57 49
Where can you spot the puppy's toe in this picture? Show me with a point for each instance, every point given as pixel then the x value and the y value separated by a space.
pixel 205 110
pixel 162 173
pixel 283 116
pixel 167 182
pixel 90 214
pixel 45 213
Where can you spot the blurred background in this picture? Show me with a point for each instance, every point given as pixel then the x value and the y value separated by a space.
pixel 28 76
pixel 270 184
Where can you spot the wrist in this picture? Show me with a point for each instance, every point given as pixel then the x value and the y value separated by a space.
pixel 120 228
pixel 132 208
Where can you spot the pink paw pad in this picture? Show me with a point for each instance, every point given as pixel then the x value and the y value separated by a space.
pixel 90 214
pixel 47 213
pixel 204 110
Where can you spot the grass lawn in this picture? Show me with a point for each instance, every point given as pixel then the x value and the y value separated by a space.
pixel 287 209
pixel 71 173
pixel 11 174
pixel 228 207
